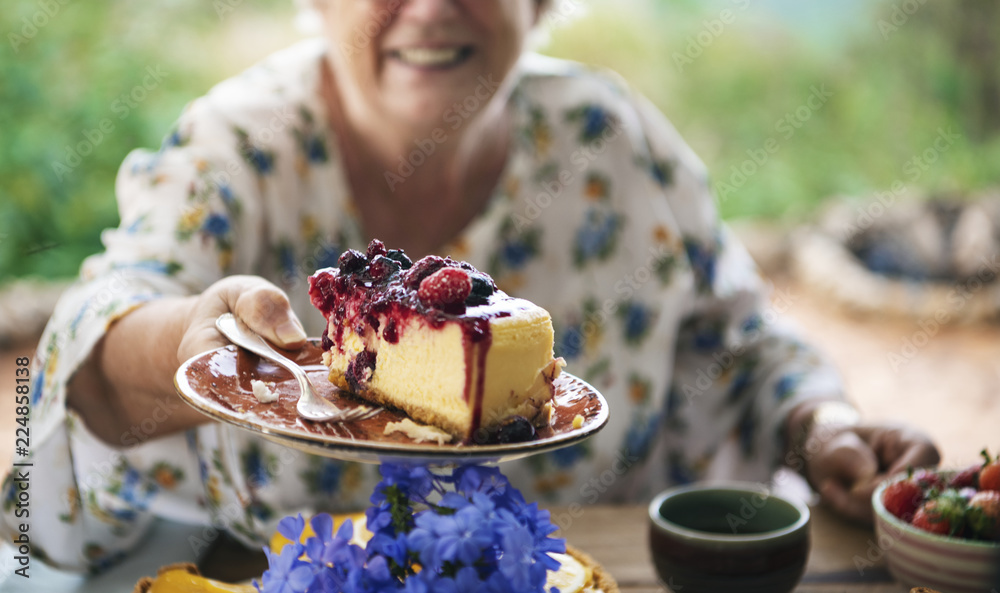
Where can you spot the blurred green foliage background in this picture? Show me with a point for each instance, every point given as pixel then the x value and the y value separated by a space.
pixel 727 72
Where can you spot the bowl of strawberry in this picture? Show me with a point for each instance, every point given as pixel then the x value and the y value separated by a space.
pixel 941 528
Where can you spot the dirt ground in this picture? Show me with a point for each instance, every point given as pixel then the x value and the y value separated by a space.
pixel 947 383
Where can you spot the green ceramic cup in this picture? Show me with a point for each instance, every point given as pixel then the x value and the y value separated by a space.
pixel 733 537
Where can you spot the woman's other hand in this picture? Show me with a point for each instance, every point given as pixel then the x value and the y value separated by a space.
pixel 848 463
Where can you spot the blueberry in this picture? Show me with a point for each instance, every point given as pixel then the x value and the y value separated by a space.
pixel 397 255
pixel 352 261
pixel 515 430
pixel 482 288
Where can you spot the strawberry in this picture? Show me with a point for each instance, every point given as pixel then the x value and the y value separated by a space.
pixel 447 286
pixel 989 476
pixel 944 515
pixel 902 499
pixel 967 478
pixel 928 479
pixel 984 515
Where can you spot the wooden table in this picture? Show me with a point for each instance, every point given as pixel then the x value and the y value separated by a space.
pixel 616 536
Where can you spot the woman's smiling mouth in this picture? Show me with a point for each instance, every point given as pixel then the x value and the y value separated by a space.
pixel 432 57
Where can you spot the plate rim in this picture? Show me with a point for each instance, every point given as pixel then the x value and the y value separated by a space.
pixel 368 451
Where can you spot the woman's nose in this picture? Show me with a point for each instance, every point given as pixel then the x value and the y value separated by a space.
pixel 429 10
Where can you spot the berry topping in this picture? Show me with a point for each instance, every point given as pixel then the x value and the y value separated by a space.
pixel 376 247
pixel 422 269
pixel 515 430
pixel 327 343
pixel 902 499
pixel 382 268
pixel 352 261
pixel 447 286
pixel 482 288
pixel 397 254
pixel 360 370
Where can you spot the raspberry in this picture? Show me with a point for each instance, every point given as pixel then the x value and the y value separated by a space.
pixel 448 286
pixel 382 268
pixel 422 269
pixel 376 247
pixel 352 261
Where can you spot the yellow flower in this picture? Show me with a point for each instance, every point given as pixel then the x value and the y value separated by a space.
pixel 166 478
pixel 661 234
pixel 557 481
pixel 201 165
pixel 308 226
pixel 595 188
pixel 510 283
pixel 543 140
pixel 352 477
pixel 637 391
pixel 225 258
pixel 191 218
pixel 513 187
pixel 214 496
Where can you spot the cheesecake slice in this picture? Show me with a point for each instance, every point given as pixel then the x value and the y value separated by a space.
pixel 439 341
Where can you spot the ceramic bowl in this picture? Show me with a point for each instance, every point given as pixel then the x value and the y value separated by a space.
pixel 918 558
pixel 734 537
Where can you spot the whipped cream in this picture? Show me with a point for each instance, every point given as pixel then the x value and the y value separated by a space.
pixel 418 432
pixel 263 391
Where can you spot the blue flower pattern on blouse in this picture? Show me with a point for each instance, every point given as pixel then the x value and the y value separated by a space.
pixel 276 206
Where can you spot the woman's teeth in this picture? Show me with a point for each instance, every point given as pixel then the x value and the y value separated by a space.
pixel 426 56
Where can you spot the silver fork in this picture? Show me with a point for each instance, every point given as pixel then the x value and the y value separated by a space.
pixel 310 405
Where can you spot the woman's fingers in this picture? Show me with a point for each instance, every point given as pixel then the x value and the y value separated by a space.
pixel 845 471
pixel 265 308
pixel 262 305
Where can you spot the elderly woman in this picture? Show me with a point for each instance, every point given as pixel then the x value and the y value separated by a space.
pixel 425 124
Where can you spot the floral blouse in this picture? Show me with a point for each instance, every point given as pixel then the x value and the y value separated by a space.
pixel 603 216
